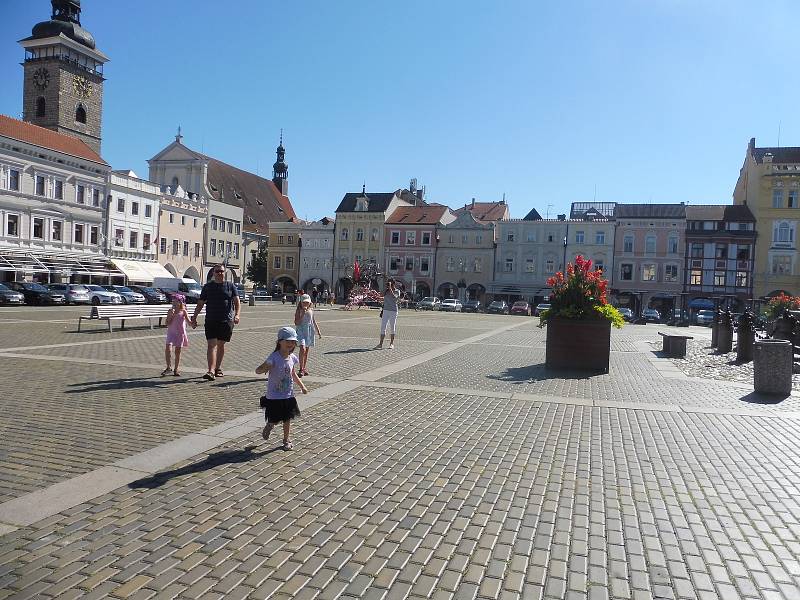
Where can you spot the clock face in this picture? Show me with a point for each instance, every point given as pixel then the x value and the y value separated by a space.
pixel 83 87
pixel 41 78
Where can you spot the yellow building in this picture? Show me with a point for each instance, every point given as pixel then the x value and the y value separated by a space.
pixel 769 184
pixel 284 254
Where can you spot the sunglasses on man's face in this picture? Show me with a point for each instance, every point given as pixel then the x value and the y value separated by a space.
pixel 219 272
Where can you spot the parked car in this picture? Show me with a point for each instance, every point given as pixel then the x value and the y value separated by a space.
pixel 151 295
pixel 521 307
pixel 704 317
pixel 9 296
pixel 36 293
pixel 100 295
pixel 678 315
pixel 74 293
pixel 243 296
pixel 540 307
pixel 186 286
pixel 499 307
pixel 261 293
pixel 471 306
pixel 429 303
pixel 651 315
pixel 626 313
pixel 129 296
pixel 450 305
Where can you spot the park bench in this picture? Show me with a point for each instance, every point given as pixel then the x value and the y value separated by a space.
pixel 129 312
pixel 675 344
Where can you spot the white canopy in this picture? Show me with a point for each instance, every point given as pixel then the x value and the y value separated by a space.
pixel 138 271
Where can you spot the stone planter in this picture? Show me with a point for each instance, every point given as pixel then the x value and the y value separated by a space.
pixel 578 345
pixel 772 367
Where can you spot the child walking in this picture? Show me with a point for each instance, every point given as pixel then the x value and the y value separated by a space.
pixel 177 318
pixel 306 326
pixel 279 404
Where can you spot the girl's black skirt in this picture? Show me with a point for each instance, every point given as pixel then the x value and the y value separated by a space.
pixel 284 409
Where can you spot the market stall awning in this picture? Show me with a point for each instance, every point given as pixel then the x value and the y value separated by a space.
pixel 65 264
pixel 139 271
pixel 701 303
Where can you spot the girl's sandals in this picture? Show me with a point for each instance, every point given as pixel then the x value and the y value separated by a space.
pixel 219 373
pixel 166 371
pixel 305 372
pixel 176 373
pixel 287 445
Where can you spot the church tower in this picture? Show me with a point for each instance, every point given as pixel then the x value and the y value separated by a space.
pixel 280 170
pixel 63 82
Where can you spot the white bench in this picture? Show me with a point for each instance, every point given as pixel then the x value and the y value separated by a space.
pixel 129 312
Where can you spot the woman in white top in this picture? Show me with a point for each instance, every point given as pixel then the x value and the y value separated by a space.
pixel 389 314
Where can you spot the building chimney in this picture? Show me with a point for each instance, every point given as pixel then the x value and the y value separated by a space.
pixel 473 203
pixel 562 217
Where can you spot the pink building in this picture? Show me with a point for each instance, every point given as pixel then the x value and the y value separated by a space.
pixel 648 256
pixel 410 251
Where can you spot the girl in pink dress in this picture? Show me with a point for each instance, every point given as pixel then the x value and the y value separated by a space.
pixel 177 318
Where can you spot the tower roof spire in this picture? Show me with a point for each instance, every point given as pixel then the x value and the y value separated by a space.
pixel 280 170
pixel 179 137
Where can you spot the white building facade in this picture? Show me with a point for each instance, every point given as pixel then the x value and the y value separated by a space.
pixel 316 254
pixel 133 209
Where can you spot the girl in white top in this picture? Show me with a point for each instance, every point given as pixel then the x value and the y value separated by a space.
pixel 389 314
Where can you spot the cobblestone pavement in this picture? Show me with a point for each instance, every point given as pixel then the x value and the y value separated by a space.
pixel 465 471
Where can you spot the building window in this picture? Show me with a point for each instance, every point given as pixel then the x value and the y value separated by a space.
pixel 599 265
pixel 550 266
pixel 276 262
pixel 344 234
pixel 12 225
pixel 742 252
pixel 40 185
pixel 80 194
pixel 145 241
pixel 395 238
pixel 175 246
pixel 213 223
pixel 148 211
pixel 290 262
pixel 477 265
pixel 58 190
pixel 393 262
pixel 510 236
pixel 648 272
pixel 80 114
pixel 696 250
pixel 650 244
pixel 578 237
pixel 696 277
pixel 424 264
pixel 508 265
pixel 600 237
pixel 221 248
pixel 121 205
pixel 451 264
pixel 530 265
pixel 721 251
pixel 38 228
pixel 238 228
pixel 93 235
pixel 230 226
pixel 197 249
pixel 781 265
pixel 783 233
pixel 426 238
pixel 40 106
pixel 531 236
pixel 719 278
pixel 479 239
pixel 185 248
pixel 741 279
pixel 119 237
pixel 96 198
pixel 411 238
pixel 133 240
pixel 672 244
pixel 212 247
pixel 290 240
pixel 792 199
pixel 359 235
pixel 626 272
pixel 78 235
pixel 171 217
pixel 134 208
pixel 183 219
pixel 374 235
pixel 55 231
pixel 409 263
pixel 13 180
pixel 162 247
pixel 627 243
pixel 671 273
pixel 777 198
pixel 236 250
pixel 228 249
pixel 280 240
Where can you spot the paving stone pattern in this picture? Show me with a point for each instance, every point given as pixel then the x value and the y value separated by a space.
pixel 393 495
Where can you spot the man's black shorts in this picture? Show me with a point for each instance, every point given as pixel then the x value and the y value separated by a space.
pixel 219 330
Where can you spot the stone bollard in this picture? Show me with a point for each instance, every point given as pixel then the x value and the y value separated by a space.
pixel 772 367
pixel 252 301
pixel 745 336
pixel 725 333
pixel 715 328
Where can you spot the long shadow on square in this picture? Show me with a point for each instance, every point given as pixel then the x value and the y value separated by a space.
pixel 540 372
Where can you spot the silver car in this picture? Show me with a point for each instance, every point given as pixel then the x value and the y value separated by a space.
pixel 128 295
pixel 74 293
pixel 100 295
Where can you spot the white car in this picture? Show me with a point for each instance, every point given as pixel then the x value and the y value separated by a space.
pixel 451 305
pixel 429 303
pixel 100 295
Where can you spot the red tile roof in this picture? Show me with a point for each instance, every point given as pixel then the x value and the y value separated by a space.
pixel 45 138
pixel 486 211
pixel 417 215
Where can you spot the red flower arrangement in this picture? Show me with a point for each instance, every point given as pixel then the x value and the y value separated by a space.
pixel 780 303
pixel 581 294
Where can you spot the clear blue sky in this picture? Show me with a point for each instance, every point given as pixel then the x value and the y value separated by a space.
pixel 642 100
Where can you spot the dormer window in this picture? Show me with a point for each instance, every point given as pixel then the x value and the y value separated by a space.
pixel 362 204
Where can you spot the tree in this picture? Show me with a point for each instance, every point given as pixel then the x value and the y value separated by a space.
pixel 257 269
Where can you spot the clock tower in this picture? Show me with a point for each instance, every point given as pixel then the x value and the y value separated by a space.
pixel 63 83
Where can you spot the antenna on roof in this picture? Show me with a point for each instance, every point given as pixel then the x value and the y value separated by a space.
pixel 779 134
pixel 549 206
pixel 595 193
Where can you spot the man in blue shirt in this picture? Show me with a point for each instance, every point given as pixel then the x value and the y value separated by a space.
pixel 222 312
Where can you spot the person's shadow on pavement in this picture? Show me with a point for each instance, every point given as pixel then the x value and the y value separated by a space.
pixel 215 459
pixel 124 384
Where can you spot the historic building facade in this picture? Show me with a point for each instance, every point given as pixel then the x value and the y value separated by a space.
pixel 183 219
pixel 649 255
pixel 133 206
pixel 720 246
pixel 464 258
pixel 410 253
pixel 316 254
pixel 769 185
pixel 284 254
